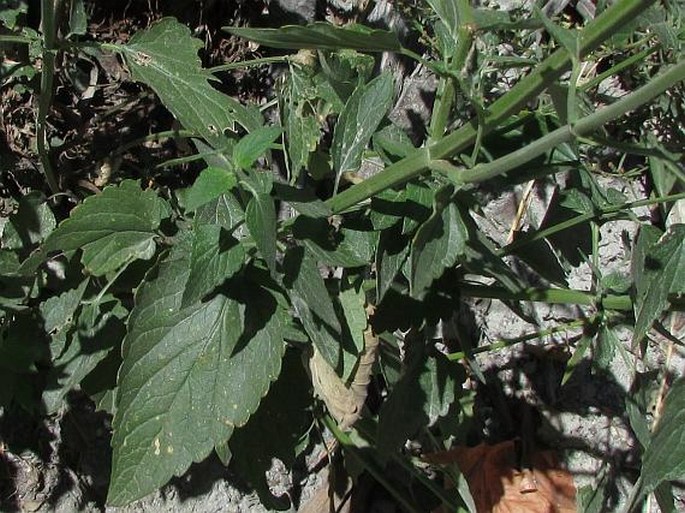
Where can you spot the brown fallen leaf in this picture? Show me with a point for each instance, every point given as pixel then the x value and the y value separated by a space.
pixel 497 486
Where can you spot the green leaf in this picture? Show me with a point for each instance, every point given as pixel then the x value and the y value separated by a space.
pixel 180 82
pixel 22 343
pixel 224 211
pixel 10 14
pixel 58 310
pixel 592 498
pixel 215 257
pixel 664 458
pixel 260 218
pixel 322 36
pixel 392 143
pixel 418 208
pixel 312 303
pixel 658 273
pixel 448 14
pixel 605 348
pixel 254 145
pixel 360 118
pixel 354 249
pixel 78 20
pixel 344 248
pixel 112 228
pixel 302 200
pixel 426 389
pixel 393 249
pixel 210 185
pixel 189 375
pixel 352 301
pixel 223 452
pixel 276 430
pixel 99 329
pixel 100 383
pixel 31 224
pixel 438 243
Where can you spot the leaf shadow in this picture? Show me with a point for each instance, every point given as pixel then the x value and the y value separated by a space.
pixel 66 457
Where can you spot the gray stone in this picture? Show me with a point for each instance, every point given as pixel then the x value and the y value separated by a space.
pixel 293 11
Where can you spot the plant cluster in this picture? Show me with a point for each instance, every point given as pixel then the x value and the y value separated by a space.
pixel 234 314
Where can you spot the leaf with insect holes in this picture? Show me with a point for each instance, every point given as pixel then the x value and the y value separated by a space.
pixel 664 458
pixel 180 82
pixel 190 375
pixel 322 36
pixel 360 118
pixel 111 229
pixel 659 271
pixel 299 118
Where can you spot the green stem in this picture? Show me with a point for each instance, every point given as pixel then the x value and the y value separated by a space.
pixel 548 71
pixel 634 497
pixel 11 38
pixel 626 63
pixel 504 343
pixel 605 213
pixel 46 90
pixel 412 469
pixel 442 106
pixel 347 443
pixel 549 296
pixel 280 59
pixel 157 136
pixel 568 133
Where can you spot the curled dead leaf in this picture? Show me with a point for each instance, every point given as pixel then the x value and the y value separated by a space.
pixel 344 402
pixel 497 486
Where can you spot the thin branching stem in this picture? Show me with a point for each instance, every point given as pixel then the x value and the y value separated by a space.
pixel 546 73
pixel 504 343
pixel 603 214
pixel 346 442
pixel 570 132
pixel 549 296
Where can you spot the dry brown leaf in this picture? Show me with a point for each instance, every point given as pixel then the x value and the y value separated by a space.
pixel 497 486
pixel 344 403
